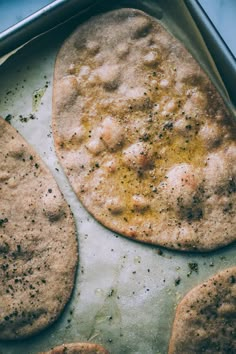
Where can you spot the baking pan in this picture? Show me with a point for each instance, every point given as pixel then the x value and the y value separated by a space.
pixel 60 11
pixel 126 292
pixel 39 22
pixel 223 57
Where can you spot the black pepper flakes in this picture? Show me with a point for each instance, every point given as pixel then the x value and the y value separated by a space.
pixel 3 221
pixel 193 266
pixel 177 281
pixel 8 118
pixel 111 292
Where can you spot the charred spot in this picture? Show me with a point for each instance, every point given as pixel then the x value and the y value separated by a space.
pixel 195 80
pixel 232 186
pixel 191 214
pixel 142 31
pixel 194 214
pixel 3 221
pixel 228 208
pixel 4 266
pixel 4 248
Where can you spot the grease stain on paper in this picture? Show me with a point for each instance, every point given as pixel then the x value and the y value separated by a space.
pixel 108 312
pixel 37 98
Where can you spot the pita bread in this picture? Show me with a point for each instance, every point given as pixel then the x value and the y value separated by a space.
pixel 38 248
pixel 205 320
pixel 78 348
pixel 142 134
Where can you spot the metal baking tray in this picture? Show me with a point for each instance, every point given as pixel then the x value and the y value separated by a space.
pixel 126 292
pixel 60 11
pixel 223 57
pixel 39 22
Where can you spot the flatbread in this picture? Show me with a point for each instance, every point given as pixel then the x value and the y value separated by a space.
pixel 144 138
pixel 38 247
pixel 205 320
pixel 78 348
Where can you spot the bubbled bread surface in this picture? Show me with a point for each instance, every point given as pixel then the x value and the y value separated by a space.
pixel 142 134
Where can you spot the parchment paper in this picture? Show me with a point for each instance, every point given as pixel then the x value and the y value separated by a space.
pixel 126 292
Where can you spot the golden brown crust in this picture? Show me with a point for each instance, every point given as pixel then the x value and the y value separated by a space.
pixel 142 134
pixel 38 248
pixel 205 320
pixel 78 348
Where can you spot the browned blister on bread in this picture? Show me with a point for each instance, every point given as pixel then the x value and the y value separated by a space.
pixel 38 247
pixel 142 134
pixel 205 320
